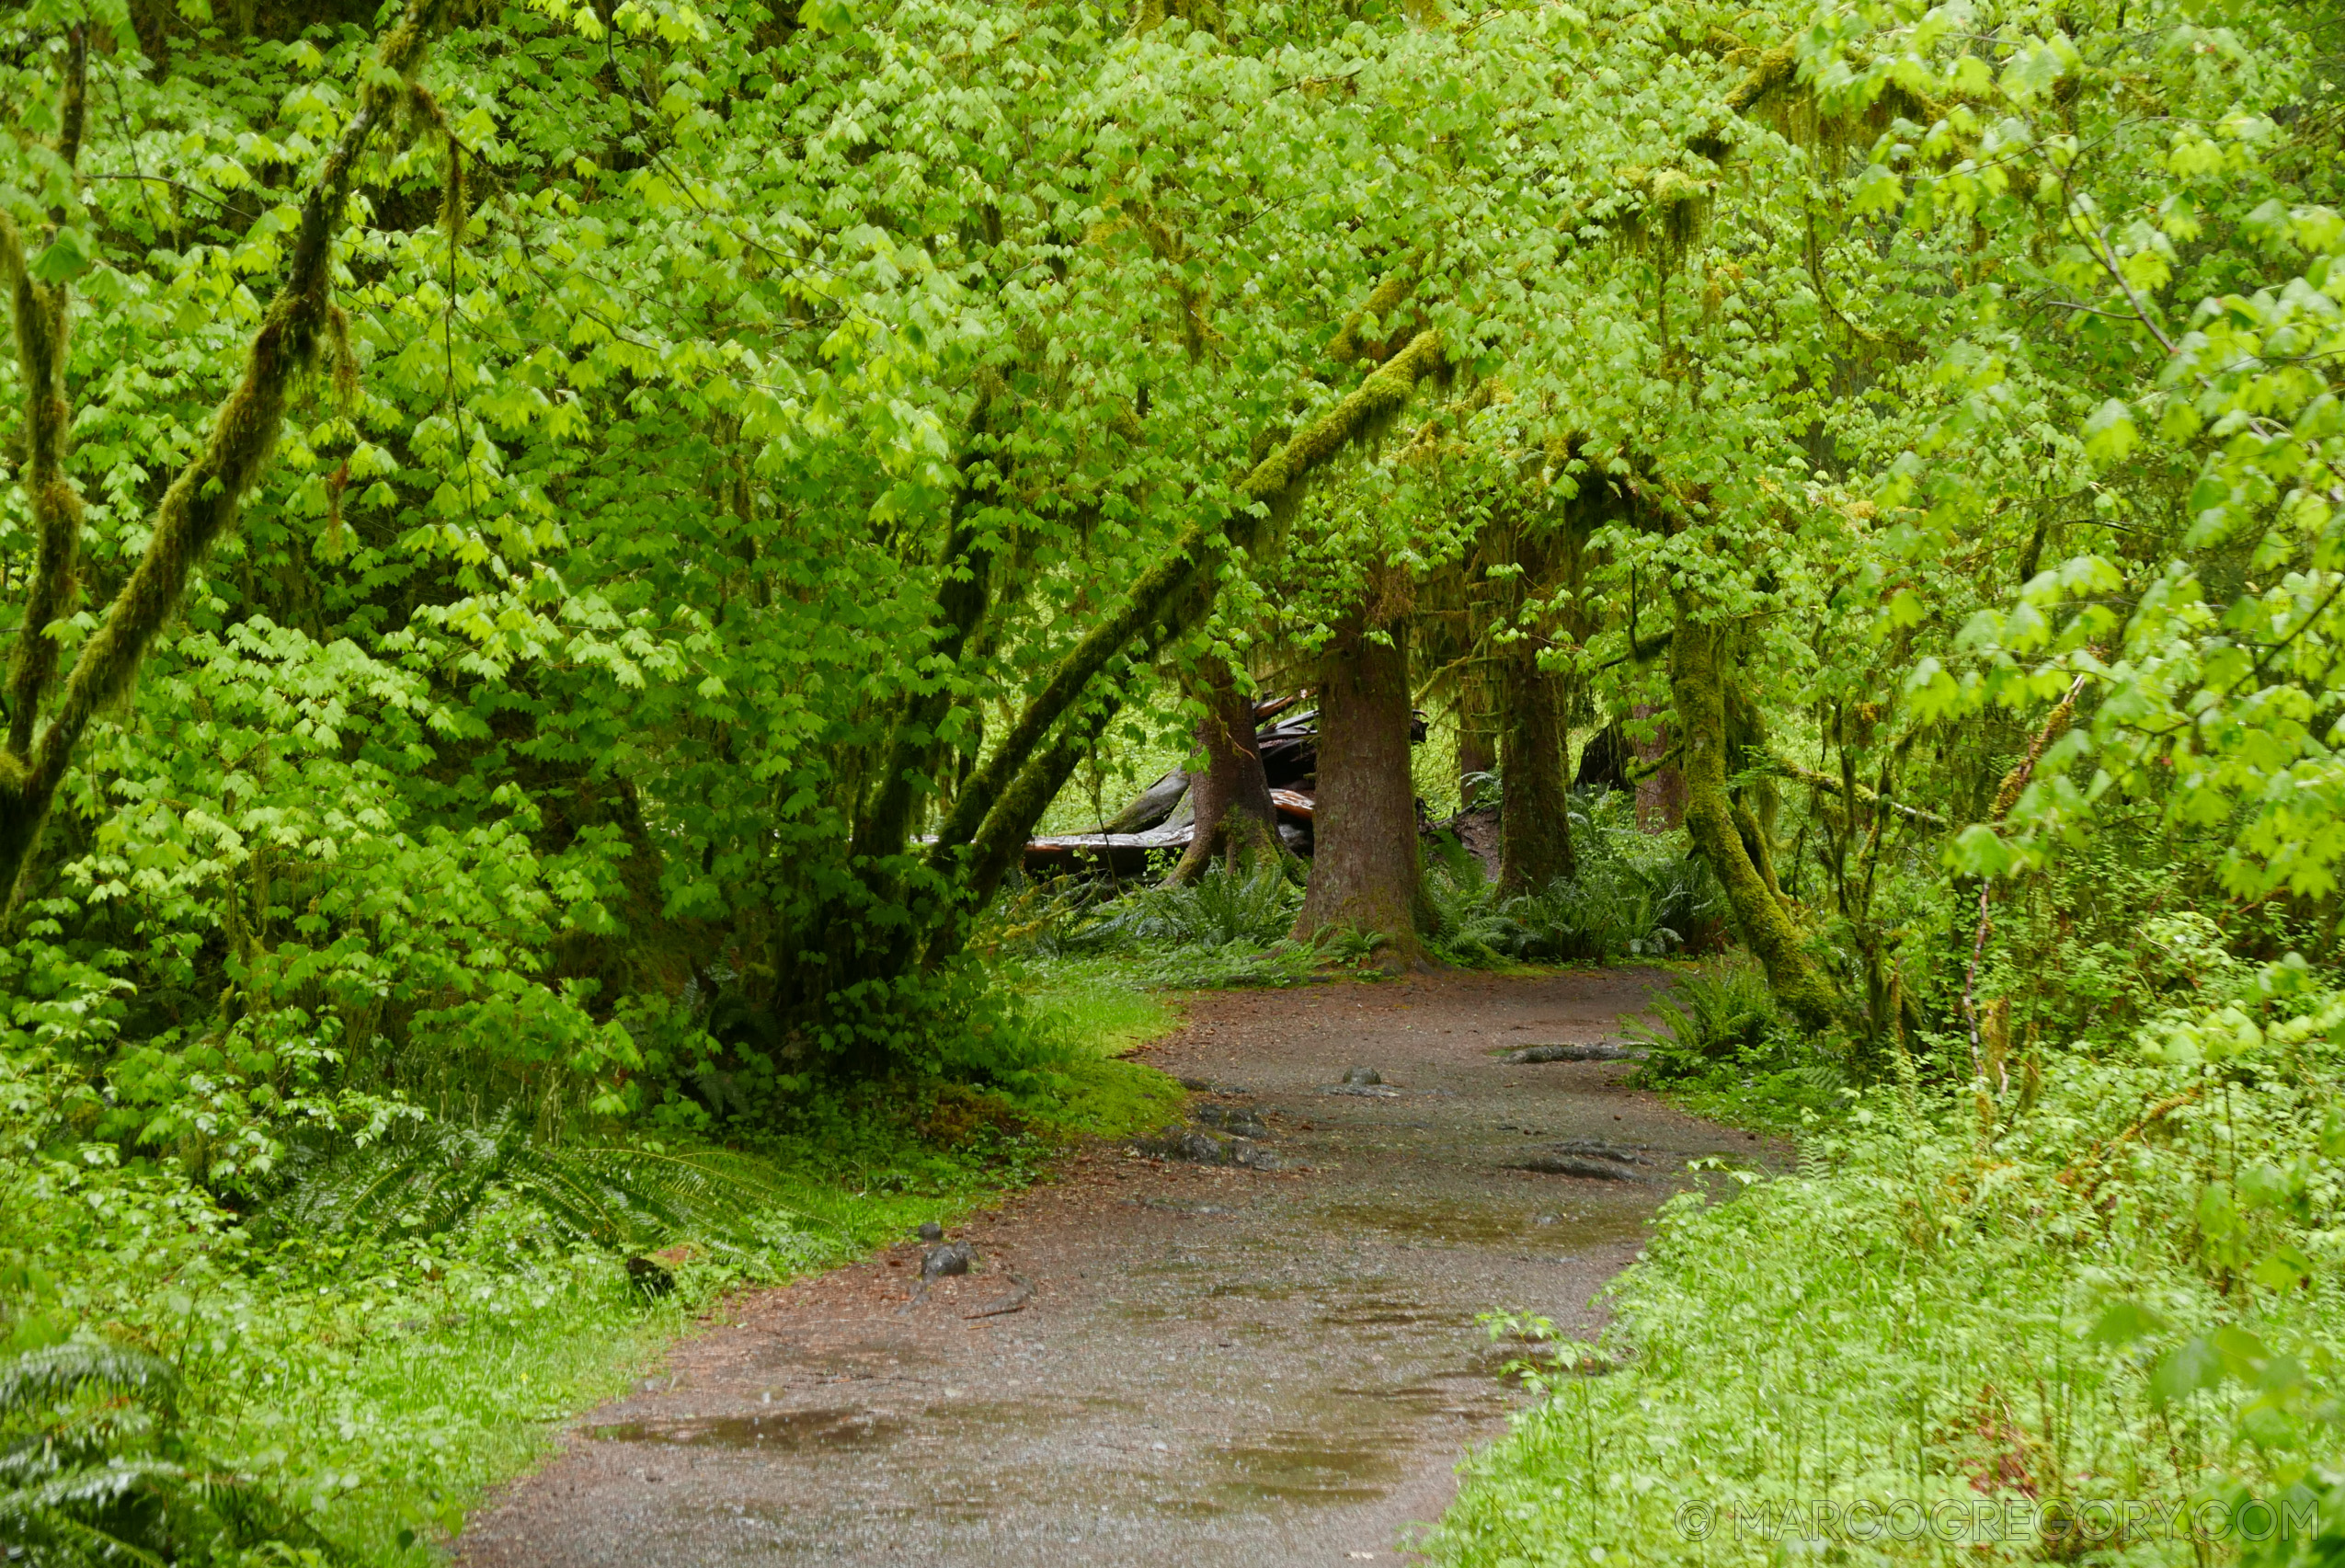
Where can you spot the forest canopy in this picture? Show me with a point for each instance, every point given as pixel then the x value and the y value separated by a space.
pixel 562 532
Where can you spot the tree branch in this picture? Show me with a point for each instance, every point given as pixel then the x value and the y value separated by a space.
pixel 202 500
pixel 1865 794
pixel 1274 487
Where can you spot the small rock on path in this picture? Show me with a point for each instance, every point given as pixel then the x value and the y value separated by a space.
pixel 1218 1365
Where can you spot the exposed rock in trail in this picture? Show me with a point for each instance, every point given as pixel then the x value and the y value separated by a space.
pixel 1201 1148
pixel 1596 1147
pixel 1367 1075
pixel 953 1257
pixel 1015 1301
pixel 1197 1148
pixel 1363 1091
pixel 1238 1121
pixel 1576 1165
pixel 1174 1206
pixel 930 1231
pixel 1602 1051
pixel 1207 1086
pixel 1589 1158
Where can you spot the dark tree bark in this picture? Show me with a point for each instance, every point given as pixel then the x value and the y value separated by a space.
pixel 1604 761
pixel 1535 808
pixel 1661 790
pixel 1235 819
pixel 1365 871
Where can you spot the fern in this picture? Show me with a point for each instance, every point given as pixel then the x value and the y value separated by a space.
pixel 1636 896
pixel 93 1469
pixel 41 1379
pixel 430 1176
pixel 1721 1013
pixel 1221 909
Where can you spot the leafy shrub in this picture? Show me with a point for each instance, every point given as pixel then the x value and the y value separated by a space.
pixel 1227 928
pixel 2109 1282
pixel 423 1178
pixel 1221 908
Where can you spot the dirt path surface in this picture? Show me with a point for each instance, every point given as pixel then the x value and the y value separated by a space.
pixel 1218 1365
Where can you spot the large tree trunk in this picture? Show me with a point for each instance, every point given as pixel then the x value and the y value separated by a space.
pixel 1661 786
pixel 1535 809
pixel 1364 864
pixel 1234 816
pixel 1476 754
pixel 1697 681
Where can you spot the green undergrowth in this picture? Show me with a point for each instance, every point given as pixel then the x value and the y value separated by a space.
pixel 1718 1048
pixel 2089 1312
pixel 1636 897
pixel 374 1377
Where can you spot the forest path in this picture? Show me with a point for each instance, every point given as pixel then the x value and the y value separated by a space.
pixel 1218 1365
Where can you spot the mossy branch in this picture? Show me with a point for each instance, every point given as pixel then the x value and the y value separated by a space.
pixel 1388 296
pixel 1697 686
pixel 1162 598
pixel 1001 841
pixel 1776 69
pixel 964 595
pixel 201 502
pixel 42 315
pixel 1865 794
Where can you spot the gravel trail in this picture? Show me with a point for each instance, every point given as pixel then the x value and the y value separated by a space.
pixel 1218 1365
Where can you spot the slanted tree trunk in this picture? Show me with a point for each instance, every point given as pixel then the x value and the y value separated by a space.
pixel 1698 676
pixel 1234 816
pixel 1364 864
pixel 1535 808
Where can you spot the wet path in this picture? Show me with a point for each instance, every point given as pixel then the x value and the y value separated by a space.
pixel 1218 1365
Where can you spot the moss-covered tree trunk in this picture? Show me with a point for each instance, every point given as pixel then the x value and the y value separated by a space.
pixel 1235 819
pixel 1365 873
pixel 1698 677
pixel 1534 809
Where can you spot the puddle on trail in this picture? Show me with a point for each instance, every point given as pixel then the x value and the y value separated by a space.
pixel 1309 1467
pixel 780 1430
pixel 1379 1311
pixel 1551 1226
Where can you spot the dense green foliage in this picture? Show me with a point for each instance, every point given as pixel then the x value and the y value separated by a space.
pixel 398 1328
pixel 2103 1330
pixel 556 554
